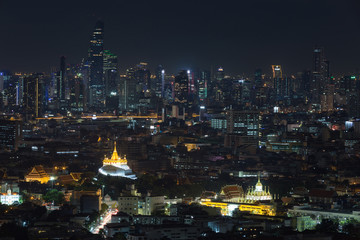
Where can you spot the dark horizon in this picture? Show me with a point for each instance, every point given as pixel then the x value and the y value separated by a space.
pixel 240 37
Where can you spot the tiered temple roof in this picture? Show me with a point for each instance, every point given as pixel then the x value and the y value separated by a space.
pixel 37 173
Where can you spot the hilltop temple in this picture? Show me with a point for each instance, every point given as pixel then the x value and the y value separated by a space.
pixel 116 166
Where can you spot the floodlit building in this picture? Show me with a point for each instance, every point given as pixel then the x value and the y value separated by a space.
pixel 39 174
pixel 10 198
pixel 116 166
pixel 259 193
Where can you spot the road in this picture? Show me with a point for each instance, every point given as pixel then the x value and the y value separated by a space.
pixel 105 220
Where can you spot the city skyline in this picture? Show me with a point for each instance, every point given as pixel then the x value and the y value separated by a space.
pixel 240 37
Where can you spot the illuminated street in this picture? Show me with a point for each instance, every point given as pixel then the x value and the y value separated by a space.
pixel 105 220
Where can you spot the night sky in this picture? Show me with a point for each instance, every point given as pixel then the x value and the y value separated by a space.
pixel 238 35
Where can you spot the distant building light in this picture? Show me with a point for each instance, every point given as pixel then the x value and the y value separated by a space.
pixel 67 152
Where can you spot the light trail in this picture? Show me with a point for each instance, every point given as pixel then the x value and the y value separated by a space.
pixel 106 219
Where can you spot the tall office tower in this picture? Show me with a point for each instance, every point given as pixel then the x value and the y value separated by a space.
pixel 353 100
pixel 287 87
pixel 53 84
pixel 10 92
pixel 277 71
pixel 4 76
pixel 20 89
pixel 191 82
pixel 84 71
pixel 347 85
pixel 258 82
pixel 110 73
pixel 241 92
pixel 10 134
pixel 181 85
pixel 327 98
pixel 33 96
pixel 160 81
pixel 96 62
pixel 278 80
pixel 202 83
pixel 169 88
pixel 61 80
pixel 320 74
pixel 128 96
pixel 257 90
pixel 305 80
pixel 142 76
pixel 219 74
pixel 6 79
pixel 77 94
pixel 277 77
pixel 243 126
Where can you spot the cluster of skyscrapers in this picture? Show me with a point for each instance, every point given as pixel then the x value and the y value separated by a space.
pixel 96 85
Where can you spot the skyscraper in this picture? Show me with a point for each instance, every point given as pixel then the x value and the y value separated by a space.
pixel 202 83
pixel 32 98
pixel 160 81
pixel 61 80
pixel 128 97
pixel 258 78
pixel 10 133
pixel 143 75
pixel 220 74
pixel 181 91
pixel 110 73
pixel 96 61
pixel 320 74
pixel 277 78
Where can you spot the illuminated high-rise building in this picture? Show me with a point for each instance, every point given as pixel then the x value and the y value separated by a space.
pixel 128 96
pixel 33 96
pixel 276 71
pixel 277 77
pixel 191 82
pixel 320 74
pixel 219 74
pixel 181 85
pixel 110 73
pixel 142 75
pixel 258 78
pixel 327 98
pixel 10 133
pixel 9 92
pixel 77 94
pixel 160 81
pixel 61 80
pixel 96 61
pixel 202 83
pixel 242 127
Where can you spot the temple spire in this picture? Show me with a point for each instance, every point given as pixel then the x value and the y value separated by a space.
pixel 115 155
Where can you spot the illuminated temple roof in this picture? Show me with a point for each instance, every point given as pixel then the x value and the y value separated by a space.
pixel 116 166
pixel 37 173
pixel 259 193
